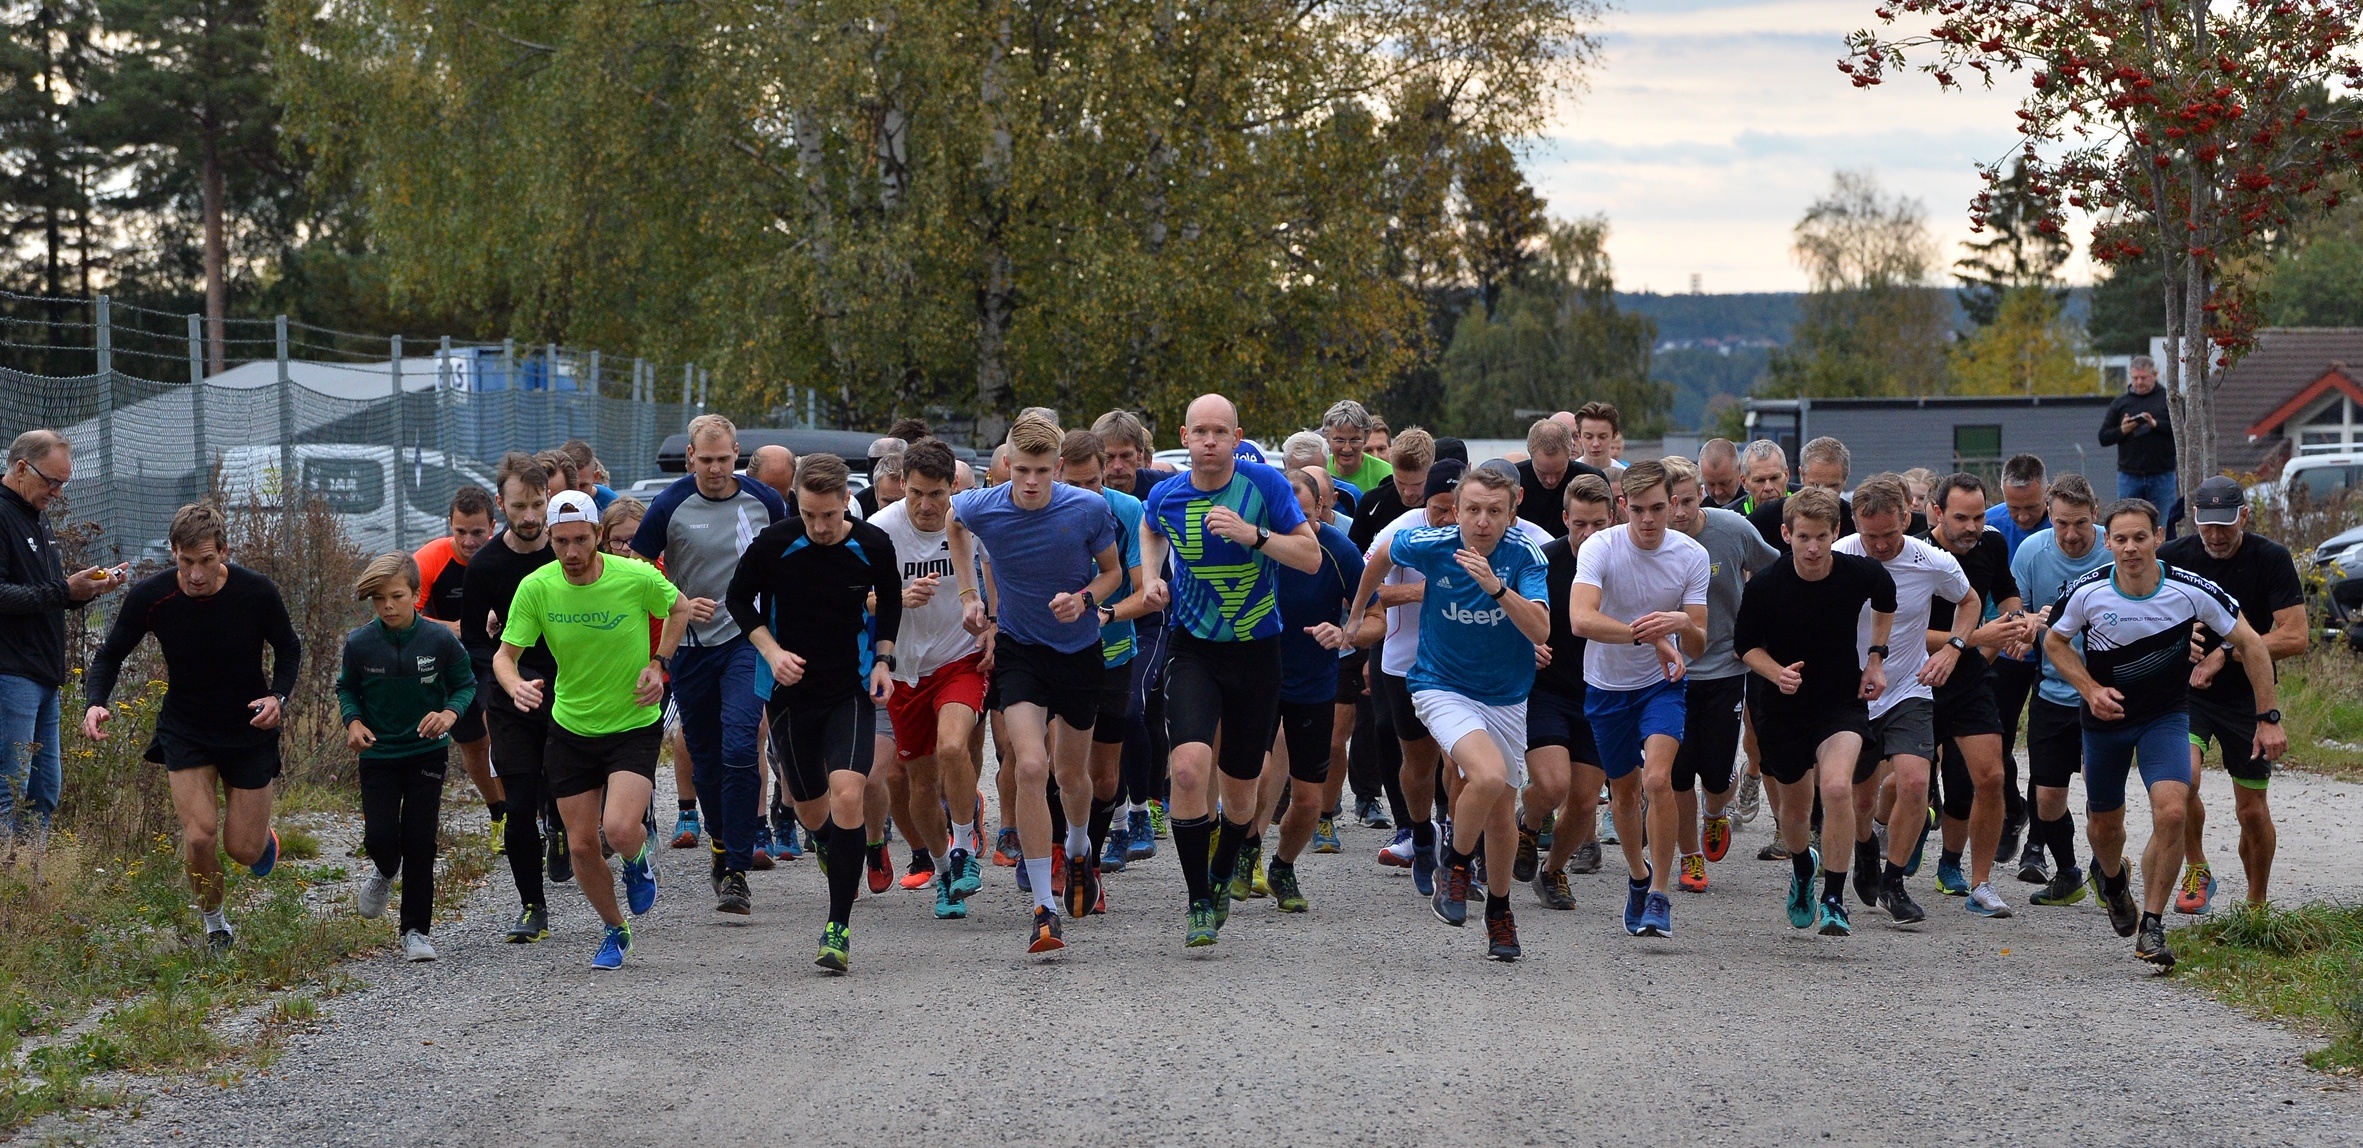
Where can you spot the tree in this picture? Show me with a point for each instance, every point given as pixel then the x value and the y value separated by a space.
pixel 1555 342
pixel 1502 218
pixel 1870 325
pixel 2021 252
pixel 49 239
pixel 2125 315
pixel 2028 349
pixel 2196 130
pixel 2317 278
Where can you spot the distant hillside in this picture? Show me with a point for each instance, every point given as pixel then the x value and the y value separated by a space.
pixel 1760 319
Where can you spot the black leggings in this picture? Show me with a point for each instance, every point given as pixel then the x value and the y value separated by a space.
pixel 517 744
pixel 1230 687
pixel 401 807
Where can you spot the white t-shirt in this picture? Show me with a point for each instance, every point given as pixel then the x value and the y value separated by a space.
pixel 1921 572
pixel 931 635
pixel 1402 644
pixel 1634 582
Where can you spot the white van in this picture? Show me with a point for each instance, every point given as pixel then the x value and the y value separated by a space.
pixel 366 486
pixel 2318 477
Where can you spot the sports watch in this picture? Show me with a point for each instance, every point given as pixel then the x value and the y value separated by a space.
pixel 2269 717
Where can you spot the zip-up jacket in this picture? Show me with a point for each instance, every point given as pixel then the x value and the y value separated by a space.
pixel 393 678
pixel 33 597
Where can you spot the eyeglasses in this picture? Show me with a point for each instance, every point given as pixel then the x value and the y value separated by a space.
pixel 55 484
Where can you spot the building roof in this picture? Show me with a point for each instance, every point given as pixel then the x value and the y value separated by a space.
pixel 2337 376
pixel 2286 362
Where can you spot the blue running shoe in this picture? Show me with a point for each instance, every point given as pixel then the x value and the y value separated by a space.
pixel 1950 881
pixel 1325 836
pixel 640 881
pixel 966 872
pixel 949 907
pixel 1142 844
pixel 1423 870
pixel 763 842
pixel 1801 913
pixel 790 842
pixel 1920 847
pixel 1025 883
pixel 1636 903
pixel 1657 917
pixel 1119 850
pixel 1833 919
pixel 1451 899
pixel 612 949
pixel 270 859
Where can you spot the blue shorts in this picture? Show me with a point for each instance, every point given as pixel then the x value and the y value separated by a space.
pixel 2160 745
pixel 1624 720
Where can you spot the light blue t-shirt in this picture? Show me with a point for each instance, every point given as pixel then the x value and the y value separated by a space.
pixel 1223 591
pixel 1038 555
pixel 1467 643
pixel 2042 572
pixel 1119 642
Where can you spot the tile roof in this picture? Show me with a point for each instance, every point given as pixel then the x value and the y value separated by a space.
pixel 2286 361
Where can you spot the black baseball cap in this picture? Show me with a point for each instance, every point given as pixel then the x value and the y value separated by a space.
pixel 1443 477
pixel 2218 502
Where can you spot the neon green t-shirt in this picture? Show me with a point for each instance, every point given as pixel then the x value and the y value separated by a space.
pixel 599 635
pixel 1374 470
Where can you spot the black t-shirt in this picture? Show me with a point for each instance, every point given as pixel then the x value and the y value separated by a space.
pixel 213 653
pixel 491 583
pixel 1378 508
pixel 2262 576
pixel 1542 505
pixel 1766 519
pixel 1987 566
pixel 1565 675
pixel 815 599
pixel 1795 620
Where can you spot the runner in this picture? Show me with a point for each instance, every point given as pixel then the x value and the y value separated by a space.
pixel 1127 467
pixel 1561 755
pixel 443 564
pixel 1550 462
pixel 605 726
pixel 1312 611
pixel 803 594
pixel 1715 683
pixel 1811 687
pixel 1347 425
pixel 518 737
pixel 1968 725
pixel 1598 432
pixel 2020 667
pixel 1718 474
pixel 1229 525
pixel 697 528
pixel 2136 616
pixel 1903 717
pixel 401 690
pixel 1079 465
pixel 1640 601
pixel 2259 573
pixel 1055 557
pixel 2045 565
pixel 218 729
pixel 1764 479
pixel 618 522
pixel 1413 764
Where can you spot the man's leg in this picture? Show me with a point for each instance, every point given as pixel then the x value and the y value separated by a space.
pixel 582 815
pixel 2161 861
pixel 1834 784
pixel 421 814
pixel 246 822
pixel 1577 814
pixel 739 794
pixel 955 770
pixel 1664 816
pixel 2195 810
pixel 698 680
pixel 1624 809
pixel 195 798
pixel 2259 840
pixel 1910 775
pixel 1487 784
pixel 1026 783
pixel 1341 734
pixel 476 758
pixel 1988 807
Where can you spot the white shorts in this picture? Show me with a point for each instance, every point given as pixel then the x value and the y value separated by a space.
pixel 1451 717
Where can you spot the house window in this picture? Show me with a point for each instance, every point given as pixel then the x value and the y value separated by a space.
pixel 2335 425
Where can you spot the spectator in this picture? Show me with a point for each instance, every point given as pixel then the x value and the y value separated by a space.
pixel 2141 427
pixel 34 597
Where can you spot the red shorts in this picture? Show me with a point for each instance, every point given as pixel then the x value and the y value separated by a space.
pixel 912 709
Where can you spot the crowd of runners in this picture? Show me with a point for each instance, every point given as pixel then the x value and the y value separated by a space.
pixel 1163 659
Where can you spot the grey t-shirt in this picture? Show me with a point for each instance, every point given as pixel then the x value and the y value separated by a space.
pixel 1733 547
pixel 699 539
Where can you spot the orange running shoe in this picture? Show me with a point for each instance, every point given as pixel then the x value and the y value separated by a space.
pixel 1058 870
pixel 1694 873
pixel 1044 935
pixel 881 866
pixel 1718 838
pixel 1005 848
pixel 921 874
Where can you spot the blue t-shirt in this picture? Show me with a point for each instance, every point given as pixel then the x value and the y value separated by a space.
pixel 1223 591
pixel 1118 642
pixel 1467 643
pixel 1308 670
pixel 2042 572
pixel 1038 555
pixel 1998 517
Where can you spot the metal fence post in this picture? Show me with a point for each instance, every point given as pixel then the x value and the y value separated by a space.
pixel 288 486
pixel 401 503
pixel 442 390
pixel 106 415
pixel 705 389
pixel 197 395
pixel 688 380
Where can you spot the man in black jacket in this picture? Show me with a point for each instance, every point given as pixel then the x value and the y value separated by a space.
pixel 34 597
pixel 2140 426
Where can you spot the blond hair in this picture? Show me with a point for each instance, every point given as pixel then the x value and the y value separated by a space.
pixel 707 426
pixel 384 569
pixel 1414 449
pixel 1034 434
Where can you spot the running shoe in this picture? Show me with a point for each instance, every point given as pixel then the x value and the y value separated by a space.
pixel 1257 884
pixel 1950 881
pixel 1607 832
pixel 1833 921
pixel 1694 873
pixel 1718 838
pixel 686 829
pixel 1159 823
pixel 1751 798
pixel 731 895
pixel 1325 836
pixel 2197 896
pixel 820 851
pixel 1551 889
pixel 498 827
pixel 1636 903
pixel 1985 902
pixel 640 880
pixel 1378 817
pixel 921 872
pixel 1141 839
pixel 1079 891
pixel 767 848
pixel 836 948
pixel 1920 846
pixel 533 924
pixel 1286 895
pixel 1112 859
pixel 1501 937
pixel 965 874
pixel 1898 902
pixel 219 941
pixel 1585 859
pixel 1529 854
pixel 1201 925
pixel 1222 903
pixel 269 860
pixel 2066 888
pixel 612 948
pixel 1243 872
pixel 2031 868
pixel 1451 898
pixel 1423 869
pixel 948 907
pixel 2152 945
pixel 416 948
pixel 1773 850
pixel 1801 896
pixel 2008 846
pixel 2124 915
pixel 1006 851
pixel 789 840
pixel 1397 853
pixel 1044 936
pixel 1058 870
pixel 376 890
pixel 881 868
pixel 1867 856
pixel 1025 879
pixel 1657 917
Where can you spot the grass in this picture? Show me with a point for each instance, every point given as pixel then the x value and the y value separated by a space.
pixel 2302 965
pixel 2321 695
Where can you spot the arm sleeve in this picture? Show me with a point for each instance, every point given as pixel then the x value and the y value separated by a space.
pixel 431 559
pixel 1534 581
pixel 1952 583
pixel 886 580
pixel 746 580
pixel 131 624
pixel 459 675
pixel 2284 590
pixel 1104 529
pixel 2216 609
pixel 1148 510
pixel 2005 577
pixel 1760 553
pixel 2110 435
pixel 2069 619
pixel 348 682
pixel 287 650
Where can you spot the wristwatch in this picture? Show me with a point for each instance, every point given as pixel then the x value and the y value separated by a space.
pixel 1089 602
pixel 662 662
pixel 1959 646
pixel 1496 595
pixel 2269 717
pixel 1880 650
pixel 887 660
pixel 1261 536
pixel 1107 615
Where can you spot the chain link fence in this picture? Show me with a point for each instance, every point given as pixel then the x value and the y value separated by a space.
pixel 384 429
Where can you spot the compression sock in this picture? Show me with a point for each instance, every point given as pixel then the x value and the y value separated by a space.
pixel 844 876
pixel 1190 839
pixel 2118 883
pixel 1226 850
pixel 1892 872
pixel 1038 875
pixel 1833 885
pixel 1949 858
pixel 1102 813
pixel 2060 834
pixel 1802 862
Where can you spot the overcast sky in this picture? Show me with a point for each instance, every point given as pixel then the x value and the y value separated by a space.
pixel 1711 124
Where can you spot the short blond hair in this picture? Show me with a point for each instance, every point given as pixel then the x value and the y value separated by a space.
pixel 1882 493
pixel 1812 502
pixel 1414 449
pixel 1034 434
pixel 707 426
pixel 382 570
pixel 1678 471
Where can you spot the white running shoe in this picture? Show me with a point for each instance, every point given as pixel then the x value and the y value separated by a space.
pixel 1607 833
pixel 1401 851
pixel 1985 902
pixel 1751 792
pixel 376 889
pixel 416 947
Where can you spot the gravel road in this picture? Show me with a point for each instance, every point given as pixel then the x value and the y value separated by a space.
pixel 1366 1021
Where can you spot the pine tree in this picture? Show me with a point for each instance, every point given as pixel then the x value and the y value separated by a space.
pixel 2024 249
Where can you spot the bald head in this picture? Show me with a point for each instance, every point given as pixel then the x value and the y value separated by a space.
pixel 773 466
pixel 1210 429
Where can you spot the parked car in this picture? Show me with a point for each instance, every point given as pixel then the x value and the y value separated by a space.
pixel 2334 571
pixel 365 486
pixel 2316 477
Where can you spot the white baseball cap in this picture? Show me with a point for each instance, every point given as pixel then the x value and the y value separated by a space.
pixel 573 506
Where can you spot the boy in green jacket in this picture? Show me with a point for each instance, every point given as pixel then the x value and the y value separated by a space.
pixel 402 686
